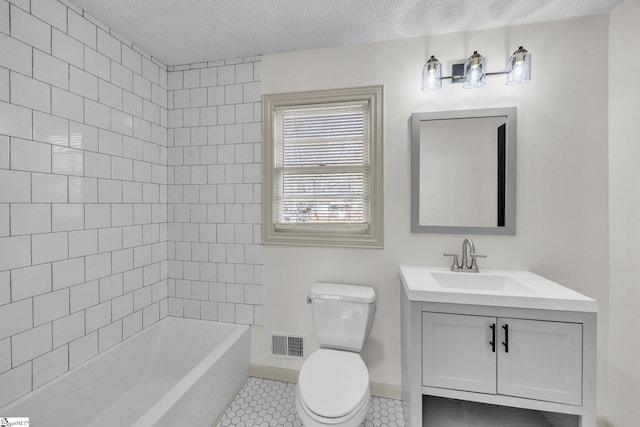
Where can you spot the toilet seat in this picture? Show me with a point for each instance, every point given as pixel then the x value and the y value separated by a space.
pixel 333 384
pixel 310 419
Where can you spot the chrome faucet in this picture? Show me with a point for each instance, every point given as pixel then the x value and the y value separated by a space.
pixel 468 250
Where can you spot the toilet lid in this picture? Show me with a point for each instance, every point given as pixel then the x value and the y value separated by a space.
pixel 333 382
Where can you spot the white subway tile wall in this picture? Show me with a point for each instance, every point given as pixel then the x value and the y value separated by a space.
pixel 129 191
pixel 83 191
pixel 214 194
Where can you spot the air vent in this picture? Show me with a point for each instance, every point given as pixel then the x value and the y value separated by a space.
pixel 284 345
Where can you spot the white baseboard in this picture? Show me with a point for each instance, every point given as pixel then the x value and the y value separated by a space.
pixel 603 421
pixel 273 373
pixel 389 391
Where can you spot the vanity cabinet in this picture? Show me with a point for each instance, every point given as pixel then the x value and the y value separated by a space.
pixel 534 350
pixel 532 359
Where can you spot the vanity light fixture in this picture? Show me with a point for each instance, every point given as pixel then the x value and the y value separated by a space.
pixel 473 72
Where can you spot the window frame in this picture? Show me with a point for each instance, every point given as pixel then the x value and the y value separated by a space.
pixel 309 234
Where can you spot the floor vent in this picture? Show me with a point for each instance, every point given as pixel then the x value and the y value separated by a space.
pixel 287 345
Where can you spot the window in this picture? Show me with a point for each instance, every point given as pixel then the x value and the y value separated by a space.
pixel 322 168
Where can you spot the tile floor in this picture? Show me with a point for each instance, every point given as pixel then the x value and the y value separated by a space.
pixel 267 403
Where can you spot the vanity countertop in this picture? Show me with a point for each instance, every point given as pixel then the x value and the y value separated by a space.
pixel 501 288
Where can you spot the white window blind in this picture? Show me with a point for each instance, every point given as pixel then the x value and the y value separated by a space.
pixel 322 166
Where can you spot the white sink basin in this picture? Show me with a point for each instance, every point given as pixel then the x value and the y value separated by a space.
pixel 480 282
pixel 502 288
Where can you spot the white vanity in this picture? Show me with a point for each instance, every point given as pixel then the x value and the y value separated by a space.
pixel 509 338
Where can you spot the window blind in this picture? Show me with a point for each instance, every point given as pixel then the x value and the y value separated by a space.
pixel 322 167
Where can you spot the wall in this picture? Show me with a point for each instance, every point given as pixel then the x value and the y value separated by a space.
pixel 562 193
pixel 215 257
pixel 623 379
pixel 83 116
pixel 83 187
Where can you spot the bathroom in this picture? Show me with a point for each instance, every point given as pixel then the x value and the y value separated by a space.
pixel 577 204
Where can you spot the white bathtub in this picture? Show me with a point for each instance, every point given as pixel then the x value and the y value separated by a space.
pixel 178 372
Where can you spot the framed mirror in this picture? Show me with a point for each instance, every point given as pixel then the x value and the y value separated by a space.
pixel 463 171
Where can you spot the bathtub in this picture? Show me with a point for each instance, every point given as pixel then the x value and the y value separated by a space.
pixel 177 372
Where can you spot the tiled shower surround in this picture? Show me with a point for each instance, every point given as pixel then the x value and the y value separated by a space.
pixel 128 191
pixel 215 257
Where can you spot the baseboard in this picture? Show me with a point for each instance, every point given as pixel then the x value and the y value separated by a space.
pixel 389 391
pixel 273 373
pixel 604 422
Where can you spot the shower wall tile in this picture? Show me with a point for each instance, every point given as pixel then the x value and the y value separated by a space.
pixel 83 296
pixel 50 306
pixel 67 329
pixel 30 281
pixel 4 17
pixel 15 252
pixel 15 120
pixel 50 365
pixel 30 344
pixel 30 218
pixel 83 349
pixel 15 55
pixel 81 29
pixel 50 70
pixel 66 48
pixel 215 257
pixel 30 29
pixel 5 355
pixel 30 93
pixel 15 382
pixel 5 288
pixel 83 191
pixel 15 318
pixel 54 13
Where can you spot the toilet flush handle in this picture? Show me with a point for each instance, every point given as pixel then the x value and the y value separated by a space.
pixel 308 300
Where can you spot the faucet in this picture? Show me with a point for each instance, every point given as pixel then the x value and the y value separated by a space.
pixel 468 250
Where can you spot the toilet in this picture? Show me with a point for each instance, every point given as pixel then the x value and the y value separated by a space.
pixel 333 386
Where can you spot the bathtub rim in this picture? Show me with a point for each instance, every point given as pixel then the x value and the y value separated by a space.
pixel 156 412
pixel 4 410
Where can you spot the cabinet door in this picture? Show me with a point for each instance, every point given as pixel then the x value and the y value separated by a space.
pixel 543 360
pixel 457 353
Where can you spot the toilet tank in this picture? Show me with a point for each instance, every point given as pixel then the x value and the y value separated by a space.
pixel 342 314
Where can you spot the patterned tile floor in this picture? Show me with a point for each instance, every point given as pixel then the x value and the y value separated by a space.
pixel 267 403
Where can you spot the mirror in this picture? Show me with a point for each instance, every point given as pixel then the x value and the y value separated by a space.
pixel 463 171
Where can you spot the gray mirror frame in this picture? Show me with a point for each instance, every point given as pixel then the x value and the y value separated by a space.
pixel 510 174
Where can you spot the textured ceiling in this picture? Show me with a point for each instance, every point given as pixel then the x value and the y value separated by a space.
pixel 187 31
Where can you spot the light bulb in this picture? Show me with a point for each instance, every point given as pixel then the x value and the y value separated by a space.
pixel 519 67
pixel 474 71
pixel 432 75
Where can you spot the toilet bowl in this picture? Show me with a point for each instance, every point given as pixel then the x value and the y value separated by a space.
pixel 333 386
pixel 333 389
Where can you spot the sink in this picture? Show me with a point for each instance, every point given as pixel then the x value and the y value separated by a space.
pixel 480 282
pixel 496 288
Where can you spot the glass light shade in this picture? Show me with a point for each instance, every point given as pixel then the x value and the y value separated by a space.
pixel 519 67
pixel 432 75
pixel 474 71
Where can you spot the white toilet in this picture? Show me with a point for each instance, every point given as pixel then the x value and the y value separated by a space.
pixel 333 386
